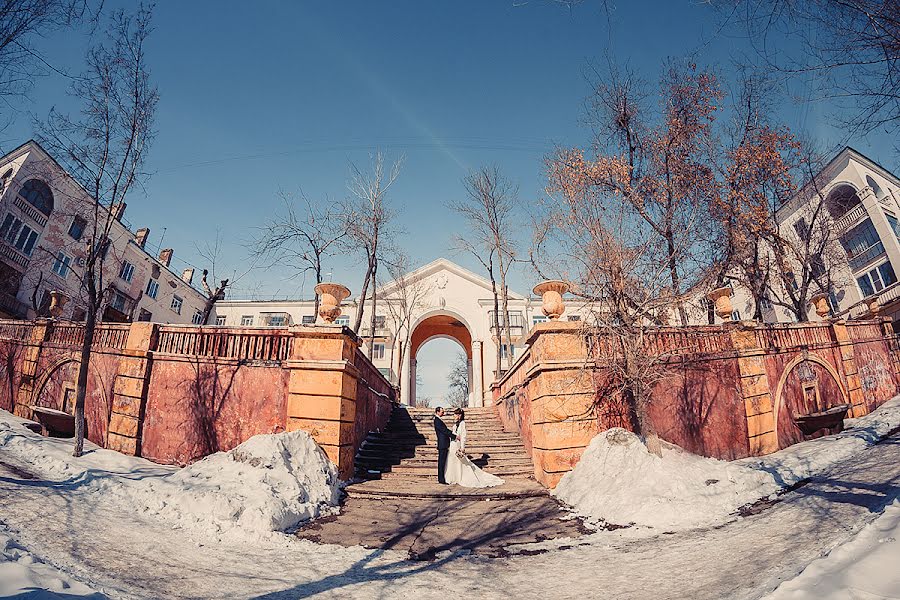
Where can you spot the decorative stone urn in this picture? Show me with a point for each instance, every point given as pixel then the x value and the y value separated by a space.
pixel 58 300
pixel 721 297
pixel 873 305
pixel 331 295
pixel 551 293
pixel 820 303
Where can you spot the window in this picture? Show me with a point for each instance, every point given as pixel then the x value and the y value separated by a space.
pixel 220 320
pixel 377 351
pixel 535 319
pixel 127 271
pixel 574 317
pixel 876 279
pixel 506 351
pixel 197 319
pixel 119 302
pixel 765 303
pixel 144 315
pixel 276 321
pixel 862 244
pixel 4 180
pixel 177 301
pixel 735 315
pixel 76 229
pixel 61 266
pixel 308 319
pixel 895 225
pixel 38 194
pixel 801 229
pixel 247 321
pixel 343 320
pixel 152 288
pixel 379 321
pixel 18 234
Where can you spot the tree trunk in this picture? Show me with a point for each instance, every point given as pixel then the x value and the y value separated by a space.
pixel 676 281
pixel 496 326
pixel 504 296
pixel 372 319
pixel 81 386
pixel 318 281
pixel 362 298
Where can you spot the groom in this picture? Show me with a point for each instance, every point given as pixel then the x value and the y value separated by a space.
pixel 444 435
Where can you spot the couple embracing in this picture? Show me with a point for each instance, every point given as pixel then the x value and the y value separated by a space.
pixel 453 464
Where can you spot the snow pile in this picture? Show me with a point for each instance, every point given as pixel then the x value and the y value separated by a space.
pixel 864 567
pixel 618 481
pixel 22 574
pixel 269 483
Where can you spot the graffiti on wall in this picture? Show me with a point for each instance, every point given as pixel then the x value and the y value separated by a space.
pixel 874 375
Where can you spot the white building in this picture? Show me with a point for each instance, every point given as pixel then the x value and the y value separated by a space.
pixel 45 218
pixel 863 202
pixel 445 300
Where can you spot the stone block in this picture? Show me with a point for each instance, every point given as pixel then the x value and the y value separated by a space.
pixel 760 424
pixel 562 435
pixel 339 347
pixel 752 365
pixel 321 407
pixel 129 386
pixel 120 443
pixel 573 380
pixel 763 444
pixel 560 461
pixel 322 382
pixel 559 346
pixel 124 425
pixel 754 385
pixel 141 335
pixel 758 404
pixel 333 433
pixel 133 367
pixel 342 457
pixel 555 408
pixel 126 405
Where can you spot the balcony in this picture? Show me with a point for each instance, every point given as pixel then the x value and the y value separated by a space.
pixel 867 256
pixel 12 255
pixel 850 219
pixel 29 210
pixel 10 305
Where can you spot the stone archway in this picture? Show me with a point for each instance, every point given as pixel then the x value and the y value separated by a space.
pixel 447 325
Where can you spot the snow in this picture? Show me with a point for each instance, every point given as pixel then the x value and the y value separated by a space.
pixel 269 483
pixel 868 566
pixel 617 481
pixel 21 574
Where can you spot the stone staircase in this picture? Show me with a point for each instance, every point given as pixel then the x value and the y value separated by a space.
pixel 406 451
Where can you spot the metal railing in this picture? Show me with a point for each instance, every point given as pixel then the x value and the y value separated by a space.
pixel 849 219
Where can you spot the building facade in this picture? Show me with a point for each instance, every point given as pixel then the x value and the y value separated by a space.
pixel 46 220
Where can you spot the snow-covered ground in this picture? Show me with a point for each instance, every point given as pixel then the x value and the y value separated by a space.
pixel 866 567
pixel 617 481
pixel 269 483
pixel 91 520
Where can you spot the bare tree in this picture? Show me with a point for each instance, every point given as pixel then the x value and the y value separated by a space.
pixel 211 253
pixel 22 22
pixel 302 240
pixel 458 381
pixel 659 163
pixel 849 49
pixel 104 149
pixel 489 211
pixel 406 298
pixel 370 227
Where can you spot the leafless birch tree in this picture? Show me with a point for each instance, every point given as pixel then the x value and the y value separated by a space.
pixel 406 299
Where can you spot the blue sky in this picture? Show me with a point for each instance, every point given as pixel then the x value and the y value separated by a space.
pixel 268 96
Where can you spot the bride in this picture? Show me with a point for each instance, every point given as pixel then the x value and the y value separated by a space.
pixel 460 469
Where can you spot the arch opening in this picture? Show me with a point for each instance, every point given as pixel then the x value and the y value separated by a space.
pixel 435 327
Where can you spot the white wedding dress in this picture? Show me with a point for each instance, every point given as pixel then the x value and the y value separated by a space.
pixel 461 470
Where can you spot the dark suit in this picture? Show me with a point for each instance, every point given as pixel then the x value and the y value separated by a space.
pixel 444 435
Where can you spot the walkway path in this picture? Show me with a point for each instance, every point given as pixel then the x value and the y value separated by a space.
pixel 130 556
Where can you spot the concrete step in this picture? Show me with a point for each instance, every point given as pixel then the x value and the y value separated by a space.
pixel 432 473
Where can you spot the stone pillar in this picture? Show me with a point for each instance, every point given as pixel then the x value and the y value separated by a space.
pixel 31 349
pixel 130 390
pixel 755 392
pixel 322 390
pixel 405 385
pixel 477 373
pixel 882 226
pixel 412 381
pixel 858 406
